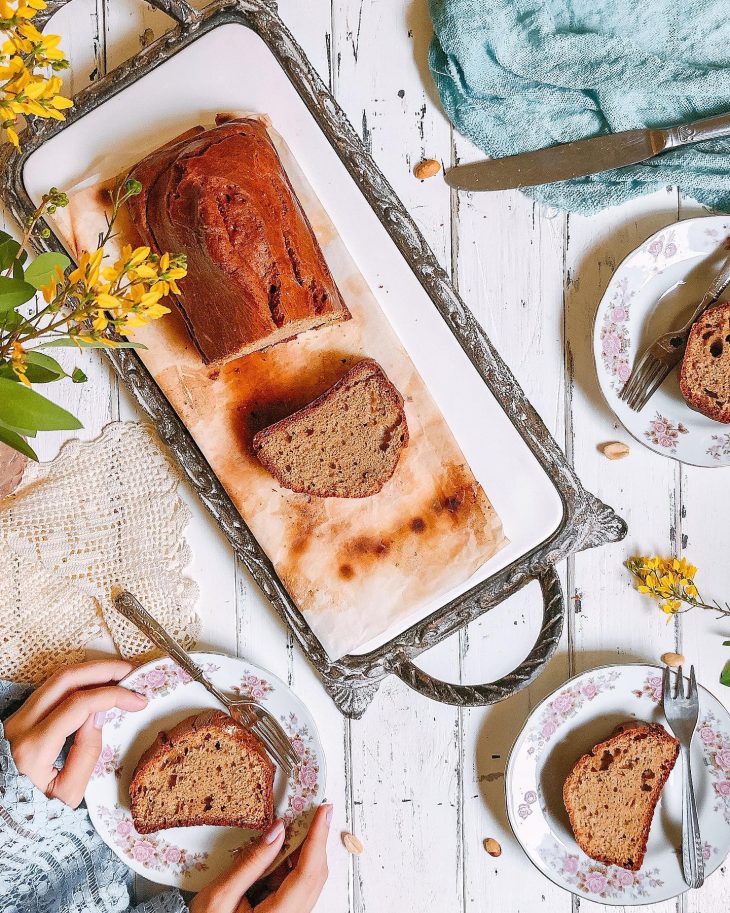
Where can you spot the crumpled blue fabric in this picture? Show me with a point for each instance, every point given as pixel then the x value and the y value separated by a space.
pixel 51 858
pixel 516 75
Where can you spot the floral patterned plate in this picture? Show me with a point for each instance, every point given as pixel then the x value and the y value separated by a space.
pixel 654 289
pixel 584 711
pixel 189 857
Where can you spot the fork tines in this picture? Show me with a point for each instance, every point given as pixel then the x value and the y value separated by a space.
pixel 647 375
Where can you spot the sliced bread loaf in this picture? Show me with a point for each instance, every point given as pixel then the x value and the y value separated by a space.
pixel 612 791
pixel 207 770
pixel 344 444
pixel 704 377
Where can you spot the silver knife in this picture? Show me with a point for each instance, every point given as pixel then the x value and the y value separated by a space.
pixel 583 157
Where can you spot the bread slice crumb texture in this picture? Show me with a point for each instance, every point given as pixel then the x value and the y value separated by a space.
pixel 345 444
pixel 207 770
pixel 704 377
pixel 613 790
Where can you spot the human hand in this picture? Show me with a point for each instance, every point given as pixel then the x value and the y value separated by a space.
pixel 298 891
pixel 74 699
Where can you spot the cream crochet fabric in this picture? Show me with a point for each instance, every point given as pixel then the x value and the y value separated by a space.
pixel 103 513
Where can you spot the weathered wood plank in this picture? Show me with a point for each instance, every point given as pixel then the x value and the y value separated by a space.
pixel 405 755
pixel 509 271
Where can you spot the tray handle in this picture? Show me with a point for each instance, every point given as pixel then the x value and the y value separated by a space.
pixel 528 670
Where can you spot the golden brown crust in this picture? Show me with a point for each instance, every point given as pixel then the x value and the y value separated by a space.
pixel 708 353
pixel 208 720
pixel 256 274
pixel 624 733
pixel 363 370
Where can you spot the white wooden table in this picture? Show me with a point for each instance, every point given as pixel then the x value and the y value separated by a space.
pixel 422 783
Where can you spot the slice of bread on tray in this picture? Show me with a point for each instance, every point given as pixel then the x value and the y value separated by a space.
pixel 612 792
pixel 704 377
pixel 344 444
pixel 206 770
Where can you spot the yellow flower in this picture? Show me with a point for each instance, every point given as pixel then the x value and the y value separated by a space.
pixel 17 360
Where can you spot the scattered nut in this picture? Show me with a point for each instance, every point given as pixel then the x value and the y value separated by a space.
pixel 672 659
pixel 426 169
pixel 615 450
pixel 352 844
pixel 492 847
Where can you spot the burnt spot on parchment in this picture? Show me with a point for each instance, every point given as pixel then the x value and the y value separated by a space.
pixel 262 389
pixel 449 505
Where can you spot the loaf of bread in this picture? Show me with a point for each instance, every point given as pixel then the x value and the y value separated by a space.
pixel 206 770
pixel 256 275
pixel 344 444
pixel 704 377
pixel 612 791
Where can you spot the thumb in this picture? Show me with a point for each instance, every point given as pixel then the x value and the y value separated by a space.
pixel 224 894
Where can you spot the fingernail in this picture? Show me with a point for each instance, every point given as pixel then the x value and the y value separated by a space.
pixel 142 697
pixel 99 719
pixel 328 814
pixel 274 832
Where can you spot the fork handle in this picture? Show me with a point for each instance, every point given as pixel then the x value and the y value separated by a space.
pixel 133 610
pixel 719 284
pixel 692 861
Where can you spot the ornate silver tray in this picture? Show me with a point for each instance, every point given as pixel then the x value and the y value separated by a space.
pixel 352 680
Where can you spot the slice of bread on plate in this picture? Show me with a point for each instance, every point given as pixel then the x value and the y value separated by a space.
pixel 206 770
pixel 704 376
pixel 612 791
pixel 344 444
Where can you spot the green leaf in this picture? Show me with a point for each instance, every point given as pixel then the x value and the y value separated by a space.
pixel 41 369
pixel 67 342
pixel 78 376
pixel 22 431
pixel 14 292
pixel 725 675
pixel 10 321
pixel 23 408
pixel 8 252
pixel 726 643
pixel 17 443
pixel 43 268
pixel 18 270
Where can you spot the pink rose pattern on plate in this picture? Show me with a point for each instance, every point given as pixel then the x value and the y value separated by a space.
pixel 108 763
pixel 253 687
pixel 652 688
pixel 663 433
pixel 615 335
pixel 149 850
pixel 524 809
pixel 565 705
pixel 602 881
pixel 716 744
pixel 159 681
pixel 721 446
pixel 662 247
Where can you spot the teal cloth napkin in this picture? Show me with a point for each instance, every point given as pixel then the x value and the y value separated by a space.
pixel 516 75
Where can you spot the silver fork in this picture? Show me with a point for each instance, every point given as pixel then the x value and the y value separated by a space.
pixel 248 713
pixel 658 359
pixel 681 713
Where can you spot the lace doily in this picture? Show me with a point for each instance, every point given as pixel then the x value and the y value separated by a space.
pixel 103 513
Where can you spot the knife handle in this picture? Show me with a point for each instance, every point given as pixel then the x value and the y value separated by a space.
pixel 708 128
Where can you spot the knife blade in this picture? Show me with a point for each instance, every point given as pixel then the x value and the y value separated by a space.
pixel 559 163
